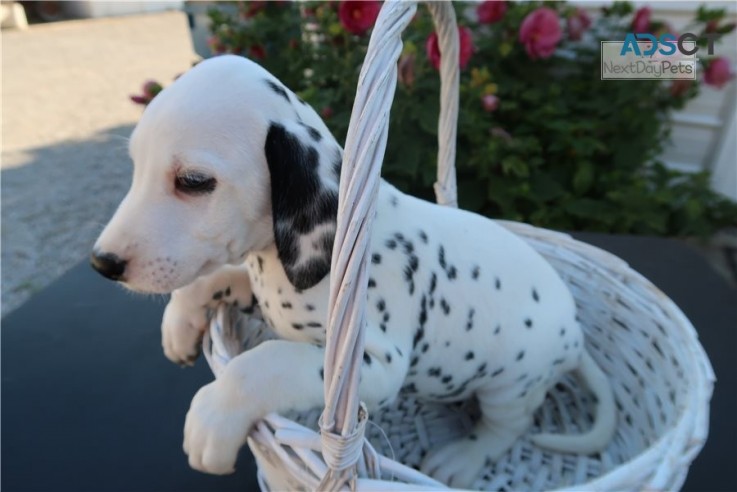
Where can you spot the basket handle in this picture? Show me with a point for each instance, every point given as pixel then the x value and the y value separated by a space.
pixel 343 419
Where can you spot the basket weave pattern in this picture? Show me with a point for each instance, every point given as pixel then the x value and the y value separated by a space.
pixel 660 374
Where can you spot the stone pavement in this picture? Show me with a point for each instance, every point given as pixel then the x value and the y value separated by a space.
pixel 66 117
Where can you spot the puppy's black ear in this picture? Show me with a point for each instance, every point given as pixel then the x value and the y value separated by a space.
pixel 303 206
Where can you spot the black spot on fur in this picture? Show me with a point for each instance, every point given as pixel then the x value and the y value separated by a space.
pixel 399 352
pixel 528 323
pixel 217 295
pixel 520 355
pixel 314 324
pixel 423 237
pixel 473 437
pixel 469 322
pixel 385 318
pixel 413 361
pixel 452 273
pixel 423 311
pixel 380 305
pixel 278 89
pixel 447 379
pixel 475 272
pixel 409 388
pixel 376 258
pixel 382 327
pixel 481 369
pixel 441 257
pixel 497 329
pixel 434 372
pixel 286 305
pixel 371 283
pixel 300 203
pixel 309 307
pixel 414 262
pixel 393 200
pixel 444 306
pixel 425 347
pixel 469 355
pixel 312 131
pixel 497 372
pixel 419 335
pixel 498 284
pixel 367 359
pixel 227 291
pixel 433 282
pixel 535 297
pixel 322 374
pixel 391 243
pixel 298 326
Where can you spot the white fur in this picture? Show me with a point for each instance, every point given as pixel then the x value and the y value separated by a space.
pixel 215 119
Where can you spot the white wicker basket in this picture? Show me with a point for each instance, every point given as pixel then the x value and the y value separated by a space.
pixel 661 376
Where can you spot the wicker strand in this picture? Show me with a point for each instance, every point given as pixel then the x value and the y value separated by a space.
pixel 445 24
pixel 358 190
pixel 359 184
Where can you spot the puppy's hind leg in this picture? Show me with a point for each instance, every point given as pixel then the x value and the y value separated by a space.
pixel 460 463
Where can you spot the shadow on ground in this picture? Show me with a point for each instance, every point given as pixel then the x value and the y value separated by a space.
pixel 55 201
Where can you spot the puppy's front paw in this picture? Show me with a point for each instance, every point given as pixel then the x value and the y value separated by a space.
pixel 215 429
pixel 181 330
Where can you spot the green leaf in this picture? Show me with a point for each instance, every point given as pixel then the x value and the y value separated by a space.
pixel 584 177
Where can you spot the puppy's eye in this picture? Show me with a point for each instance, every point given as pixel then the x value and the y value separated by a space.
pixel 194 183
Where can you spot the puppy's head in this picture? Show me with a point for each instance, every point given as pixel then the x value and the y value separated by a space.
pixel 226 161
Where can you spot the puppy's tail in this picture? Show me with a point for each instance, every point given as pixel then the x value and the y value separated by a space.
pixel 605 421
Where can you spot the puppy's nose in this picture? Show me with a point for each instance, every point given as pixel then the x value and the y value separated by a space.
pixel 108 265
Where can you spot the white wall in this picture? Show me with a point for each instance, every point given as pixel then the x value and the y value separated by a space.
pixel 704 132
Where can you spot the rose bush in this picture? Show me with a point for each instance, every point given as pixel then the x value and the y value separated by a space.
pixel 541 138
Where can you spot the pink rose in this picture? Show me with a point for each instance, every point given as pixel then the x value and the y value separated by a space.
pixel 540 33
pixel 641 21
pixel 491 11
pixel 577 24
pixel 718 72
pixel 254 7
pixel 490 103
pixel 149 90
pixel 464 53
pixel 257 52
pixel 358 17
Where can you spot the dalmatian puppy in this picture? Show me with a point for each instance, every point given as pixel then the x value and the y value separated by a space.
pixel 234 198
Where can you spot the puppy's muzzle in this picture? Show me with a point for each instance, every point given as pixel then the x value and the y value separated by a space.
pixel 108 265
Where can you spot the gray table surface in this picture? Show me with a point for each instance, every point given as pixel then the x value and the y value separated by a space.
pixel 90 403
